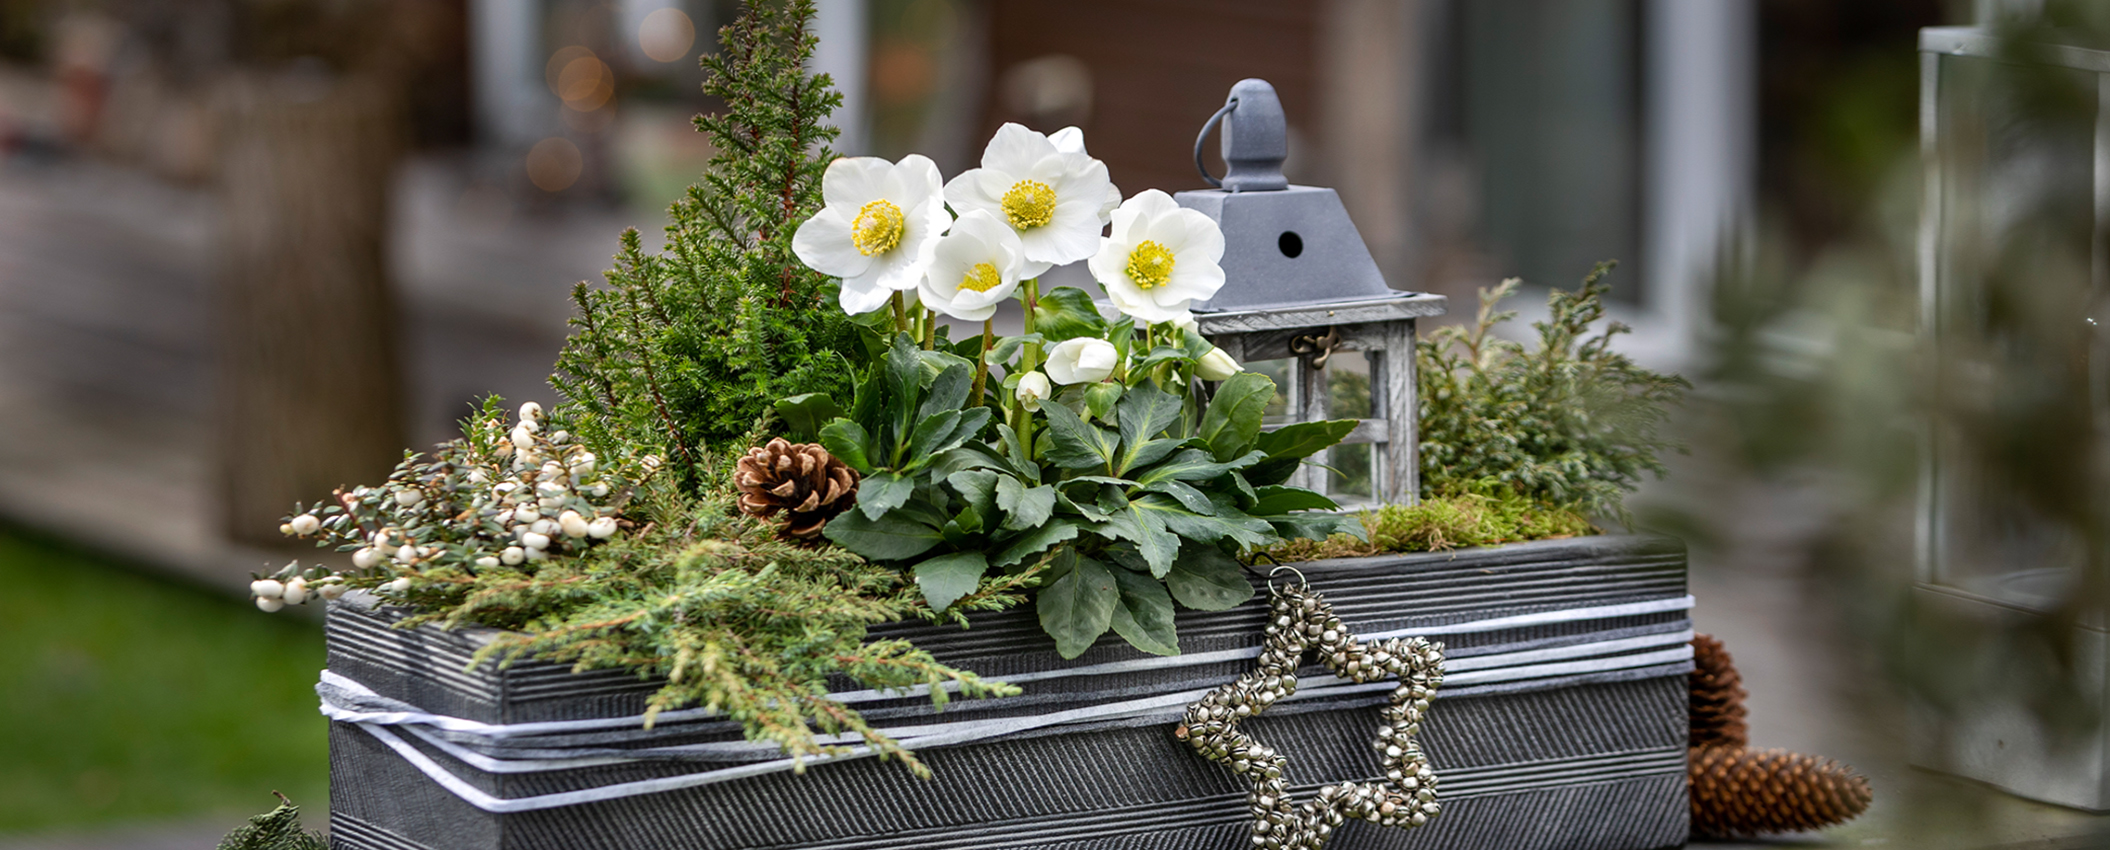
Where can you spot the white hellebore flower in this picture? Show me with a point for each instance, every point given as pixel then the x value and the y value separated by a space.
pixel 973 268
pixel 1216 366
pixel 875 229
pixel 1071 140
pixel 1084 360
pixel 1033 389
pixel 1055 199
pixel 1160 258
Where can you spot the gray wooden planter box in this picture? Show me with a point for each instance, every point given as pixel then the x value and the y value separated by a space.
pixel 1579 745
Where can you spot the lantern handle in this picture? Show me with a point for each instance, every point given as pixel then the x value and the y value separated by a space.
pixel 1203 138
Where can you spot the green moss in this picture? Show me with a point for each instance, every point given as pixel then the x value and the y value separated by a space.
pixel 125 697
pixel 1496 515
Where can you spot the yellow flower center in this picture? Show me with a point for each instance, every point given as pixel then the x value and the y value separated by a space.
pixel 1029 203
pixel 1149 265
pixel 982 278
pixel 877 228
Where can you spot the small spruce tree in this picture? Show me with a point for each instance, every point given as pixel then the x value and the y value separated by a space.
pixel 686 347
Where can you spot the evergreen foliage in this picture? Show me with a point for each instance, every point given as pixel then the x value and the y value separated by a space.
pixel 684 348
pixel 1572 424
pixel 1439 523
pixel 278 829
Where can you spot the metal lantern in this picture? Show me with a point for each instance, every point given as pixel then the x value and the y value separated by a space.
pixel 1300 286
pixel 1981 555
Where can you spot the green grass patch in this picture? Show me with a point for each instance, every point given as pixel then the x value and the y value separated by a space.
pixel 1444 522
pixel 126 697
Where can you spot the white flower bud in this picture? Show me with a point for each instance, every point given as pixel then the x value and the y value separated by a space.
pixel 487 562
pixel 265 588
pixel 523 438
pixel 286 528
pixel 296 591
pixel 602 528
pixel 408 496
pixel 1033 388
pixel 1084 360
pixel 535 540
pixel 512 555
pixel 1216 365
pixel 268 605
pixel 305 524
pixel 573 524
pixel 366 558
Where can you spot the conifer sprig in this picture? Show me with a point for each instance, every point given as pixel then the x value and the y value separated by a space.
pixel 681 348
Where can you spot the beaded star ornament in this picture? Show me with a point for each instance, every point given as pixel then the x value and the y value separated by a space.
pixel 1300 621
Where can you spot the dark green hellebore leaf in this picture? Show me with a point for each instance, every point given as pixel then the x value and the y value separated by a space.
pixel 1303 439
pixel 1079 607
pixel 946 578
pixel 1232 422
pixel 1282 500
pixel 1144 617
pixel 1206 579
pixel 1077 444
pixel 848 442
pixel 1066 312
pixel 1035 541
pixel 1024 507
pixel 891 537
pixel 805 415
pixel 883 491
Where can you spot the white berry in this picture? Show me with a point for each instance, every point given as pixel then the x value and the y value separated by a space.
pixel 523 437
pixel 409 496
pixel 267 604
pixel 512 555
pixel 398 587
pixel 305 524
pixel 530 412
pixel 536 554
pixel 544 527
pixel 286 528
pixel 584 464
pixel 296 591
pixel 487 562
pixel 535 540
pixel 602 528
pixel 525 513
pixel 573 524
pixel 265 588
pixel 332 589
pixel 366 558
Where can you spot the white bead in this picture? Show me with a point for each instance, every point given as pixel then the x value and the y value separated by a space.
pixel 512 555
pixel 305 524
pixel 265 588
pixel 296 591
pixel 535 540
pixel 267 604
pixel 573 524
pixel 602 528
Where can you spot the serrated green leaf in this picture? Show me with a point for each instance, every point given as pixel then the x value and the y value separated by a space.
pixel 848 442
pixel 1144 617
pixel 1076 444
pixel 1008 347
pixel 1024 507
pixel 1185 494
pixel 1144 412
pixel 1144 526
pixel 1035 541
pixel 1282 500
pixel 1066 312
pixel 1194 465
pixel 946 578
pixel 1303 439
pixel 1101 398
pixel 1226 523
pixel 948 391
pixel 891 537
pixel 1232 421
pixel 961 527
pixel 805 415
pixel 883 491
pixel 1079 607
pixel 1206 579
pixel 977 487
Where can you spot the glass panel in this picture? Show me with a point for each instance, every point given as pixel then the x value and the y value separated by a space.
pixel 1277 412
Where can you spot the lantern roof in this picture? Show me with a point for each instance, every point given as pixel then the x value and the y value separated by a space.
pixel 1285 246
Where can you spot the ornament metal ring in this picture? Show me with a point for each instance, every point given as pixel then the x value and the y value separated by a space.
pixel 1279 568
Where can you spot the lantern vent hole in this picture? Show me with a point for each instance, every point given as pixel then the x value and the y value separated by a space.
pixel 1290 243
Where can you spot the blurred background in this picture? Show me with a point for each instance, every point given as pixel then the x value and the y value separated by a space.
pixel 251 249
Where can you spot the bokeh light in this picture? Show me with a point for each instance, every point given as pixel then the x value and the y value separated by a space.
pixel 553 164
pixel 666 35
pixel 580 78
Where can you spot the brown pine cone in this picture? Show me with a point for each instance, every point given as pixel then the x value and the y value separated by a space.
pixel 1717 705
pixel 801 481
pixel 1738 792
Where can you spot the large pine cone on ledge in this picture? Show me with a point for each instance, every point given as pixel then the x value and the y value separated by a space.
pixel 802 481
pixel 1717 696
pixel 1738 792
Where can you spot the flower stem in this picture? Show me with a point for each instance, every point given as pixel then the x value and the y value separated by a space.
pixel 930 329
pixel 1030 360
pixel 981 364
pixel 900 313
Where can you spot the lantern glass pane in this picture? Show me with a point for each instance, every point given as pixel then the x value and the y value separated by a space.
pixel 1277 412
pixel 1348 386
